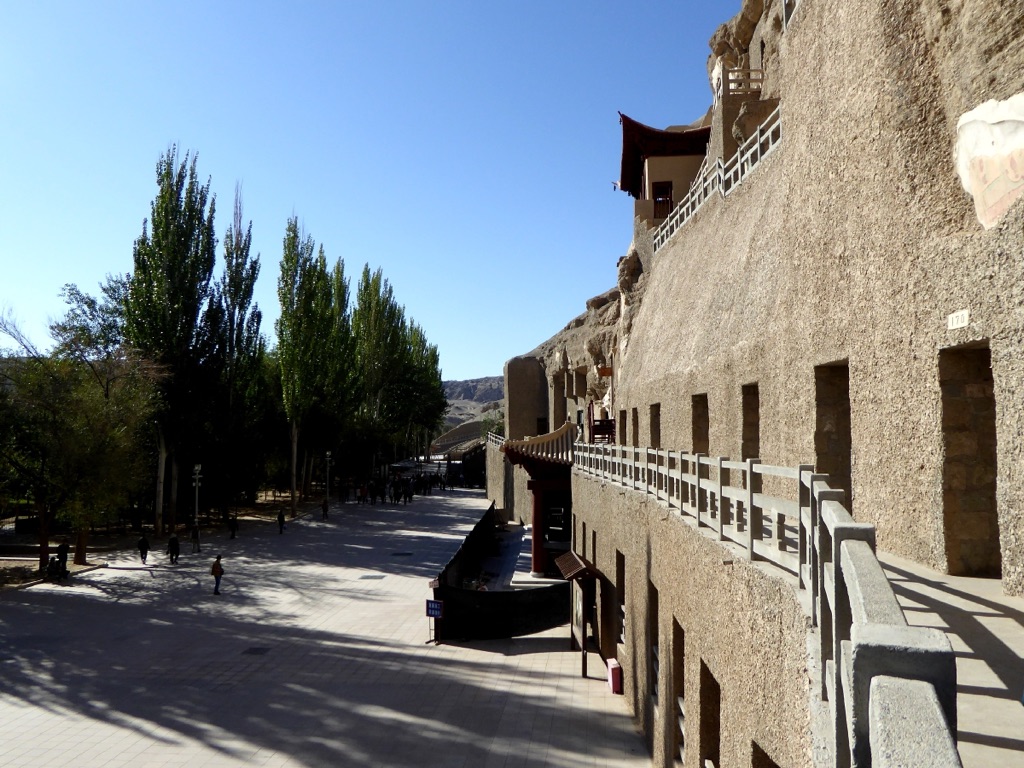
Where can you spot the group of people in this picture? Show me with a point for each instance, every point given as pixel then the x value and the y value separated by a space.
pixel 173 550
pixel 398 489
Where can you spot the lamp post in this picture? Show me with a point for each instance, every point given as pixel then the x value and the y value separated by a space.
pixel 196 484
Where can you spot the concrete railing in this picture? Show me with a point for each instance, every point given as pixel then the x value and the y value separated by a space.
pixel 871 660
pixel 723 177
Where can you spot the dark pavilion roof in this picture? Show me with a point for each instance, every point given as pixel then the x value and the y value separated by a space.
pixel 640 141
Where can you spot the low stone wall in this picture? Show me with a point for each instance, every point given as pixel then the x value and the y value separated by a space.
pixel 473 614
pixel 477 615
pixel 496 476
pixel 506 488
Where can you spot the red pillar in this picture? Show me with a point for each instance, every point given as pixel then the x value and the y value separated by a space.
pixel 538 555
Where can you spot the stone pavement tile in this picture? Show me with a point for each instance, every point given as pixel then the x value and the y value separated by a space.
pixel 986 632
pixel 301 662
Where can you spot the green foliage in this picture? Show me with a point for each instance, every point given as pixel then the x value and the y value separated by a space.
pixel 168 347
pixel 235 455
pixel 401 398
pixel 73 420
pixel 169 289
pixel 171 312
pixel 313 340
pixel 380 334
pixel 493 421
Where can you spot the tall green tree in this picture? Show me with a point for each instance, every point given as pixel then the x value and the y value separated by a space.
pixel 239 361
pixel 379 343
pixel 169 304
pixel 300 289
pixel 425 400
pixel 313 346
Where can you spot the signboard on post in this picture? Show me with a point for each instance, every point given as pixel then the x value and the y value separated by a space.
pixel 579 631
pixel 579 620
pixel 435 609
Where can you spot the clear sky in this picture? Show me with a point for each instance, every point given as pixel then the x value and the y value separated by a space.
pixel 466 148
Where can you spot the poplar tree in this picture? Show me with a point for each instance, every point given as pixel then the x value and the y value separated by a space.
pixel 379 341
pixel 169 301
pixel 239 360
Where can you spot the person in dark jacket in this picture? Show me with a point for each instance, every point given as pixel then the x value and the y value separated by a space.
pixel 143 547
pixel 217 570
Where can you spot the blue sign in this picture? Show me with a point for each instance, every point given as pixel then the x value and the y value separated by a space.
pixel 435 608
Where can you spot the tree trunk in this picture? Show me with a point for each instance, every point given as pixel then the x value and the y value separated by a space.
pixel 174 488
pixel 158 518
pixel 43 516
pixel 80 543
pixel 307 474
pixel 295 456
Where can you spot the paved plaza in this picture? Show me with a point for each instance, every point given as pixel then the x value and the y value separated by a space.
pixel 315 654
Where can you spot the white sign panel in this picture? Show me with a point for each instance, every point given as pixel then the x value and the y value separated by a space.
pixel 958 319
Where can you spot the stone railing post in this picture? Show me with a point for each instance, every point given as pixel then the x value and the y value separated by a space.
pixel 700 496
pixel 753 514
pixel 720 500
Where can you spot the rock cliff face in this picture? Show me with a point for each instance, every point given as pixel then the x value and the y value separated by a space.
pixel 840 305
pixel 845 250
pixel 486 390
pixel 592 339
pixel 469 400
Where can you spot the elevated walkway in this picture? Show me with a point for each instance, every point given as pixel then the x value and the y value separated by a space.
pixel 986 629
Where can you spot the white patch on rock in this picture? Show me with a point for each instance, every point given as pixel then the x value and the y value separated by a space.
pixel 990 156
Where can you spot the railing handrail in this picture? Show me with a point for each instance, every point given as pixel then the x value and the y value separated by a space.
pixel 811 535
pixel 722 177
pixel 742 81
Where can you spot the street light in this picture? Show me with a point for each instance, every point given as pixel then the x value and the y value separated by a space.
pixel 195 483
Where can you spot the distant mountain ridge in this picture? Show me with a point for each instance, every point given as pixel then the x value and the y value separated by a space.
pixel 468 400
pixel 486 390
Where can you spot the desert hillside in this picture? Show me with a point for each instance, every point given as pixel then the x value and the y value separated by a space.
pixel 472 398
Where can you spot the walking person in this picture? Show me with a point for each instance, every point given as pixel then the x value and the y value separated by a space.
pixel 173 548
pixel 62 560
pixel 217 571
pixel 233 525
pixel 143 548
pixel 280 521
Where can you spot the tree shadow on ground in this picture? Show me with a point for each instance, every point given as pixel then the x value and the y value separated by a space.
pixel 299 656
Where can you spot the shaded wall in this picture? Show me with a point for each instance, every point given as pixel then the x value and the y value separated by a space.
pixel 741 621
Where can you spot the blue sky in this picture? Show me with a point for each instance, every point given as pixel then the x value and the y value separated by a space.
pixel 466 148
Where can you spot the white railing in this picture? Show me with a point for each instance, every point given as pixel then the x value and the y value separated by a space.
pixel 723 178
pixel 788 9
pixel 741 82
pixel 791 517
pixel 496 440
